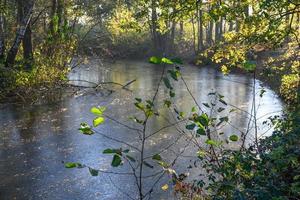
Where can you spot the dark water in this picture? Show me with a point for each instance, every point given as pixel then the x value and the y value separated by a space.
pixel 36 139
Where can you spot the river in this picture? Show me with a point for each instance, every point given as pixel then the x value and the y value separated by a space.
pixel 36 139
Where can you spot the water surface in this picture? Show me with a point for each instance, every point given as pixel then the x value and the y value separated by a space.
pixel 36 139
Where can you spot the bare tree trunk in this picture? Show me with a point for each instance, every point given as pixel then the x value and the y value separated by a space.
pixel 154 27
pixel 220 34
pixel 209 33
pixel 217 29
pixel 171 39
pixel 181 29
pixel 237 24
pixel 224 27
pixel 200 27
pixel 246 10
pixel 230 26
pixel 21 31
pixel 27 40
pixel 194 35
pixel 287 22
pixel 52 17
pixel 2 34
pixel 28 48
pixel 60 14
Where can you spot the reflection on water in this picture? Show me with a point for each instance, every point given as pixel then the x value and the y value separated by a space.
pixel 36 139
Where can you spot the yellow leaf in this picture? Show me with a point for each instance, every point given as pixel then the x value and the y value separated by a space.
pixel 165 187
pixel 97 121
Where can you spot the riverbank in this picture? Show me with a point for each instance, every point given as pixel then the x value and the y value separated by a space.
pixel 278 69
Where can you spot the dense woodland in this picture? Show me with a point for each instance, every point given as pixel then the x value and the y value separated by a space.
pixel 42 41
pixel 36 35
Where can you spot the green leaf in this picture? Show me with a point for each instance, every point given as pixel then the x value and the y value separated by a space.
pixel 97 121
pixel 155 60
pixel 167 83
pixel 190 126
pixel 150 103
pixel 221 109
pixel 232 110
pixel 156 157
pixel 163 164
pixel 167 61
pixel 177 61
pixel 167 103
pixel 201 153
pixel 126 151
pixel 139 106
pixel 261 93
pixel 138 100
pixel 172 94
pixel 211 93
pixel 203 119
pixel 147 164
pixel 130 158
pixel 194 109
pixel 224 119
pixel 117 161
pixel 86 129
pixel 98 110
pixel 234 138
pixel 70 165
pixel 93 172
pixel 206 105
pixel 110 151
pixel 221 96
pixel 174 74
pixel 211 142
pixel 201 131
pixel 181 114
pixel 223 102
pixel 135 119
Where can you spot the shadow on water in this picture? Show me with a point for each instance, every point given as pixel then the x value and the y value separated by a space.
pixel 36 139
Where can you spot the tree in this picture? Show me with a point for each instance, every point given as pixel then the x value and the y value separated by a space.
pixel 200 25
pixel 27 40
pixel 20 34
pixel 2 30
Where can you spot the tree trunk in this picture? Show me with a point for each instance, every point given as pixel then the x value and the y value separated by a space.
pixel 27 40
pixel 224 27
pixel 181 29
pixel 246 10
pixel 230 26
pixel 2 36
pixel 57 17
pixel 52 24
pixel 237 24
pixel 200 27
pixel 154 27
pixel 217 29
pixel 194 35
pixel 171 39
pixel 60 14
pixel 21 31
pixel 209 33
pixel 220 34
pixel 28 48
